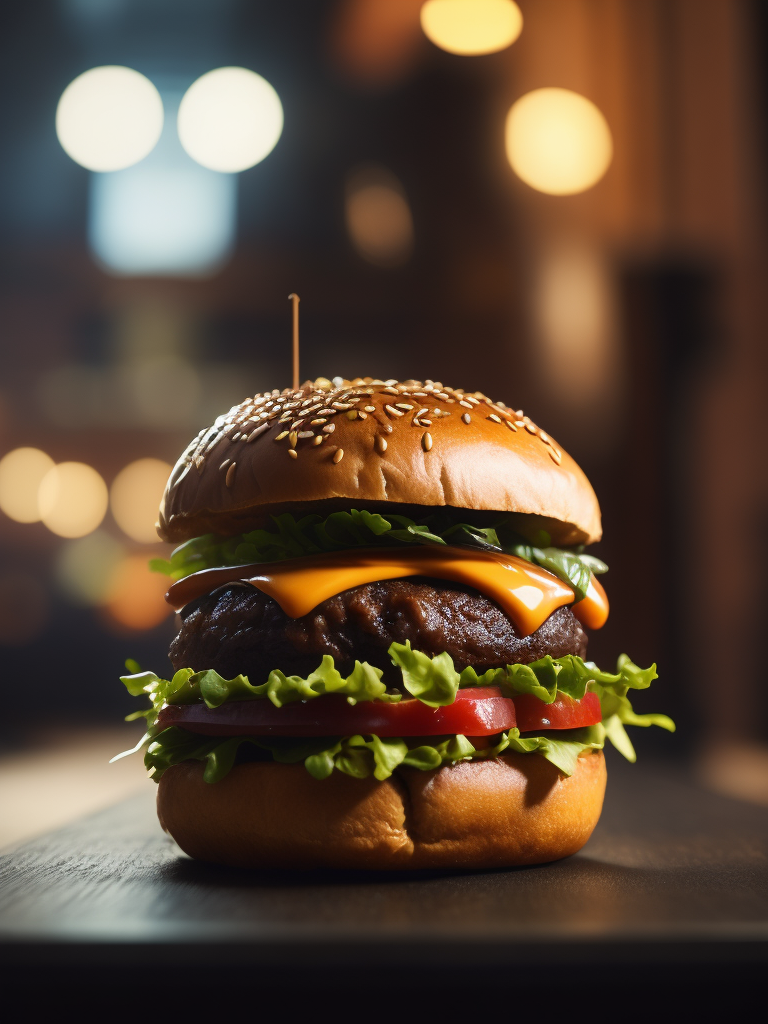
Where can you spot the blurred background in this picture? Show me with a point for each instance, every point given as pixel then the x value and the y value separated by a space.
pixel 559 202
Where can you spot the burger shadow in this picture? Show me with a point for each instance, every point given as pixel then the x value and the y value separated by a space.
pixel 185 871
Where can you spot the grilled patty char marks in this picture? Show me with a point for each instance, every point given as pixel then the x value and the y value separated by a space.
pixel 238 629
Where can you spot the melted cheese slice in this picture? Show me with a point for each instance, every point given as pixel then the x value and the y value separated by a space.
pixel 527 593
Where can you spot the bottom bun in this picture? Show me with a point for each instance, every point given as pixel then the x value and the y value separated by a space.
pixel 516 809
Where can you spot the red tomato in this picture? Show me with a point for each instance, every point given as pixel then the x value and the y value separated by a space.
pixel 478 712
pixel 481 712
pixel 533 715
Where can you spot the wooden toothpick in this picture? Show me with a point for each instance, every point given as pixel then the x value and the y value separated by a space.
pixel 295 301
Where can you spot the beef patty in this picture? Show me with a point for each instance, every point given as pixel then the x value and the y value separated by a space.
pixel 239 629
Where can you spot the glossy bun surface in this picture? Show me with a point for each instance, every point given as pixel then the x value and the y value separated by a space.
pixel 374 444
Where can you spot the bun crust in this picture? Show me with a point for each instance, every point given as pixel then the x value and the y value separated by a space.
pixel 408 444
pixel 516 809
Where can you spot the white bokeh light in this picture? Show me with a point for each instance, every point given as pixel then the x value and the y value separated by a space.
pixel 73 499
pixel 558 141
pixel 230 119
pixel 109 118
pixel 471 27
pixel 135 498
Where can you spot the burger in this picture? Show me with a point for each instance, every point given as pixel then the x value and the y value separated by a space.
pixel 384 600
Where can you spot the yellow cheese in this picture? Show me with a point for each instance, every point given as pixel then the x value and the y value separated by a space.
pixel 527 593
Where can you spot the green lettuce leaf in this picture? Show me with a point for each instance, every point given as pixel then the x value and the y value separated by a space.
pixel 362 756
pixel 188 687
pixel 433 680
pixel 313 534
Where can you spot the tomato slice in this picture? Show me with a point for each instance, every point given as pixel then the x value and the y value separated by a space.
pixel 533 715
pixel 481 711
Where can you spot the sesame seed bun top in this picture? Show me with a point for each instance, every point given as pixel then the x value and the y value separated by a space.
pixel 369 443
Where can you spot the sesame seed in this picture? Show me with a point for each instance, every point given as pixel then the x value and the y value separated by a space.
pixel 467 405
pixel 319 439
pixel 391 391
pixel 329 428
pixel 421 412
pixel 554 456
pixel 393 411
pixel 230 475
pixel 426 441
pixel 224 464
pixel 425 423
pixel 531 428
pixel 306 433
pixel 317 422
pixel 404 406
pixel 281 435
pixel 545 437
pixel 293 453
pixel 338 455
pixel 381 443
pixel 340 405
pixel 519 413
pixel 511 425
pixel 519 423
pixel 494 417
pixel 293 438
pixel 466 418
pixel 361 415
pixel 370 408
pixel 296 424
pixel 257 432
pixel 234 437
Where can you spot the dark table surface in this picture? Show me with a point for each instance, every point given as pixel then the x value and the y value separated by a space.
pixel 674 877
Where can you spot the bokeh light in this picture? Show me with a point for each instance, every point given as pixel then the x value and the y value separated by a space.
pixel 73 499
pixel 558 142
pixel 21 472
pixel 471 27
pixel 136 596
pixel 230 119
pixel 85 567
pixel 378 217
pixel 135 498
pixel 109 118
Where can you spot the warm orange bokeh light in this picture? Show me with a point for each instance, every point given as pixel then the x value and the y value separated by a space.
pixel 136 595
